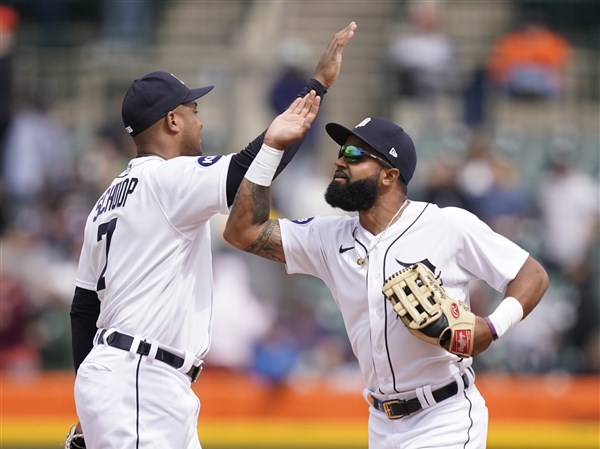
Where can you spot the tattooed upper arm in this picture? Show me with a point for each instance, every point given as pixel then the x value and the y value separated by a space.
pixel 268 244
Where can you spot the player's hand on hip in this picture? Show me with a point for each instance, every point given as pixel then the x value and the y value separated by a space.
pixel 292 125
pixel 483 337
pixel 330 63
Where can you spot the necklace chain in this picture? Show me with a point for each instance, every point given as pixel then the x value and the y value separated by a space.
pixel 361 260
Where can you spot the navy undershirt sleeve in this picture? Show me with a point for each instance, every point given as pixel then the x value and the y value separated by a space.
pixel 242 160
pixel 85 310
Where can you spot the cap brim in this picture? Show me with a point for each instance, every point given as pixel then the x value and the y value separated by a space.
pixel 338 132
pixel 197 93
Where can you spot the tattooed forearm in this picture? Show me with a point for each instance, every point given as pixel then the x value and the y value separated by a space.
pixel 268 244
pixel 261 203
pixel 249 228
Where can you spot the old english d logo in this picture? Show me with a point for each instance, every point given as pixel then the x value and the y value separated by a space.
pixel 425 262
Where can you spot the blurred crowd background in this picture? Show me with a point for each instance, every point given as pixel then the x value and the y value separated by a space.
pixel 501 97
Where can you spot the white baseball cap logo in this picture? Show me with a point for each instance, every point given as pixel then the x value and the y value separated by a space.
pixel 177 79
pixel 364 122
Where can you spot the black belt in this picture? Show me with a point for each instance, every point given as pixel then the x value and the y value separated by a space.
pixel 124 341
pixel 397 408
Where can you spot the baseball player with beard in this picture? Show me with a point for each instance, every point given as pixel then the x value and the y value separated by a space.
pixel 141 313
pixel 421 395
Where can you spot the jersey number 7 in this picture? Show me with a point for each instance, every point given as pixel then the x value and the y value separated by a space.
pixel 105 229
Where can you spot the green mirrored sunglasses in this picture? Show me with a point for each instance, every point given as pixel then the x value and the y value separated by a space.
pixel 352 153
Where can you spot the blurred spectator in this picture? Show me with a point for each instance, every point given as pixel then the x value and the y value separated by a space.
pixel 43 227
pixel 307 336
pixel 492 188
pixel 18 351
pixel 442 187
pixel 285 87
pixel 110 147
pixel 569 212
pixel 240 319
pixel 475 98
pixel 569 207
pixel 37 283
pixel 275 356
pixel 64 223
pixel 39 263
pixel 530 62
pixel 294 333
pixel 506 203
pixel 537 347
pixel 9 21
pixel 294 57
pixel 126 24
pixel 476 175
pixel 38 159
pixel 422 57
pixel 421 60
pixel 111 133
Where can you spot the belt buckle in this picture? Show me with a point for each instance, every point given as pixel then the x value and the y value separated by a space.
pixel 197 372
pixel 387 408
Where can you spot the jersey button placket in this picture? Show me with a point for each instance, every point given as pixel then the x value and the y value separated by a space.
pixel 377 315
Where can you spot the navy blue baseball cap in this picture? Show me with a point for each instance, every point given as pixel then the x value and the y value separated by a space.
pixel 151 97
pixel 389 139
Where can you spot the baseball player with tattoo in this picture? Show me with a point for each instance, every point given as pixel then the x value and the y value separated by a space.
pixel 142 308
pixel 399 272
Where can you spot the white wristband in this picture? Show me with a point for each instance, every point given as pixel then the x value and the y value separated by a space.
pixel 263 168
pixel 506 315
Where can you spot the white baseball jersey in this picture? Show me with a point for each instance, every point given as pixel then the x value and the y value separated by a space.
pixel 147 250
pixel 452 242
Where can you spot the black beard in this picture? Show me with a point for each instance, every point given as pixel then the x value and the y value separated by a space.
pixel 353 196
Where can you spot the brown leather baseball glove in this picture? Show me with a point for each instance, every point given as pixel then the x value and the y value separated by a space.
pixel 428 312
pixel 75 438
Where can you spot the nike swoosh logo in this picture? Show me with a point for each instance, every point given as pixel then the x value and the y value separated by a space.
pixel 343 250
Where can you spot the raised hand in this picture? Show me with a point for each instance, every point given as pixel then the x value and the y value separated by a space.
pixel 293 124
pixel 330 63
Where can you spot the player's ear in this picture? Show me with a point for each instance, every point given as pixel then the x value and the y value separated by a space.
pixel 390 176
pixel 171 121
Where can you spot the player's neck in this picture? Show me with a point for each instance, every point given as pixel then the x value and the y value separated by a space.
pixel 150 149
pixel 148 154
pixel 158 144
pixel 382 215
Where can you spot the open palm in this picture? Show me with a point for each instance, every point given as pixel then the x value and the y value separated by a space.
pixel 293 124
